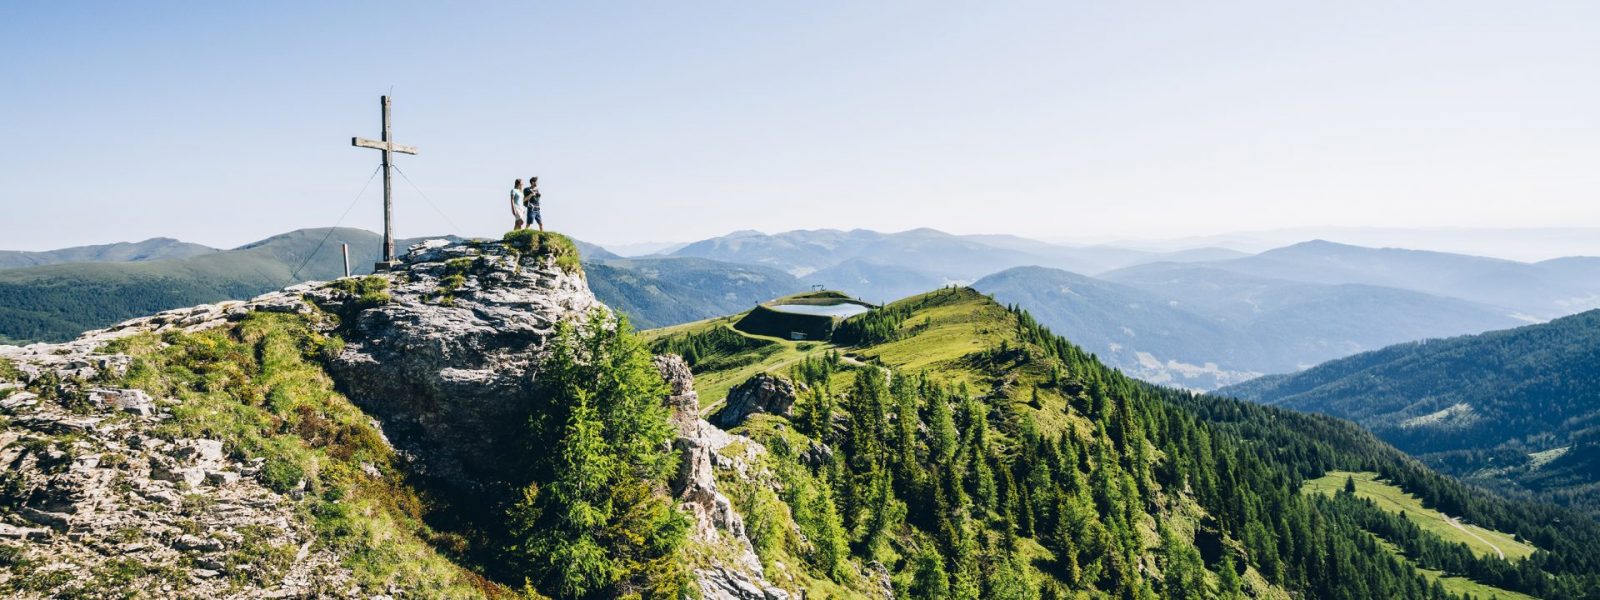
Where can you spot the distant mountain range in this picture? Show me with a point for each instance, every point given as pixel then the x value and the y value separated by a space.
pixel 1199 318
pixel 151 249
pixel 1533 291
pixel 1225 328
pixel 1528 244
pixel 657 292
pixel 1517 408
pixel 57 301
pixel 924 252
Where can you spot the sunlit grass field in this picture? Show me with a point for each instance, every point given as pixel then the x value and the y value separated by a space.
pixel 1393 499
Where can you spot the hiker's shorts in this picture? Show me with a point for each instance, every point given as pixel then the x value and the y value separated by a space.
pixel 533 215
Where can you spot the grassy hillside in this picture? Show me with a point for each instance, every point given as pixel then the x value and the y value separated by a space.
pixel 1394 500
pixel 1191 494
pixel 1386 496
pixel 1518 408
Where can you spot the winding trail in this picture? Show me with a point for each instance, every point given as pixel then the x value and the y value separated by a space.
pixel 1454 522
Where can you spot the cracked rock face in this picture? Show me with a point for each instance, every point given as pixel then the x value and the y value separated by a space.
pixel 448 362
pixel 89 491
pixel 715 522
pixel 763 393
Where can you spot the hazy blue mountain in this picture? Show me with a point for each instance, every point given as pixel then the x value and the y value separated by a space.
pixel 801 253
pixel 875 282
pixel 1132 330
pixel 1516 243
pixel 1193 255
pixel 1201 328
pixel 886 265
pixel 1515 407
pixel 657 292
pixel 151 249
pixel 1534 291
pixel 592 251
pixel 1099 258
pixel 640 249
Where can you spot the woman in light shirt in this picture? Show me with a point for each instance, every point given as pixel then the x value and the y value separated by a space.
pixel 516 204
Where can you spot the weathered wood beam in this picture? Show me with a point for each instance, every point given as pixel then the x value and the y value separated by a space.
pixel 379 145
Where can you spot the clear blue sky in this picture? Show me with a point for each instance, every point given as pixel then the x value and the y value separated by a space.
pixel 225 122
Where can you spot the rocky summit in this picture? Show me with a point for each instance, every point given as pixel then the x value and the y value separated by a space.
pixel 304 443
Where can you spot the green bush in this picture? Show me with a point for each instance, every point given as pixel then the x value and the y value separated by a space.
pixel 528 242
pixel 281 474
pixel 10 555
pixel 369 291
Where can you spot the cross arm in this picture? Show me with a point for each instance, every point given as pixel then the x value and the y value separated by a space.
pixel 380 145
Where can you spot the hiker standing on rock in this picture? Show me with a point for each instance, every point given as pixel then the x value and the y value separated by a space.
pixel 530 200
pixel 516 199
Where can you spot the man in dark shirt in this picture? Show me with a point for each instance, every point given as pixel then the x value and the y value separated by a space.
pixel 530 200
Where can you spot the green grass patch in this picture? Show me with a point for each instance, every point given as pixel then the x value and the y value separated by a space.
pixel 943 327
pixel 1454 584
pixel 529 242
pixel 455 275
pixel 369 291
pixel 1391 498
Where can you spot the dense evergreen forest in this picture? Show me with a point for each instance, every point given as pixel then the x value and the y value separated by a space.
pixel 1518 410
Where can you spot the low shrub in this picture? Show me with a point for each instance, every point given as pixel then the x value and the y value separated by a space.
pixel 559 248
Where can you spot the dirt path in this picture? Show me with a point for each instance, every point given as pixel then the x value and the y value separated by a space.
pixel 1454 522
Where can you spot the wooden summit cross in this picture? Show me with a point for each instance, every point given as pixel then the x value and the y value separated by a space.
pixel 389 148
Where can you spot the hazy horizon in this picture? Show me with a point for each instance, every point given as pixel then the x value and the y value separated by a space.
pixel 1089 124
pixel 1524 245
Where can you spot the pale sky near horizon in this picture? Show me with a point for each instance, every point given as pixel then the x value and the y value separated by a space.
pixel 223 123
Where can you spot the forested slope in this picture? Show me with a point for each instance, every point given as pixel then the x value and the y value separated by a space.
pixel 1518 409
pixel 994 459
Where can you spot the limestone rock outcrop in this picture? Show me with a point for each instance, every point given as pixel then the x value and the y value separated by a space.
pixel 762 393
pixel 91 486
pixel 447 362
pixel 443 352
pixel 736 571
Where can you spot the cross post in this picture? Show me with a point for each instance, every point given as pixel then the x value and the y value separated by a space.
pixel 389 148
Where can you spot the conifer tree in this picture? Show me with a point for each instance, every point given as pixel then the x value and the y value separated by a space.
pixel 592 521
pixel 929 579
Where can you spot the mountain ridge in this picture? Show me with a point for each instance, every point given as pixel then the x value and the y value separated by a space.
pixel 1514 408
pixel 157 248
pixel 56 302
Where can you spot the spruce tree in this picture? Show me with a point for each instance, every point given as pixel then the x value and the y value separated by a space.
pixel 593 520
